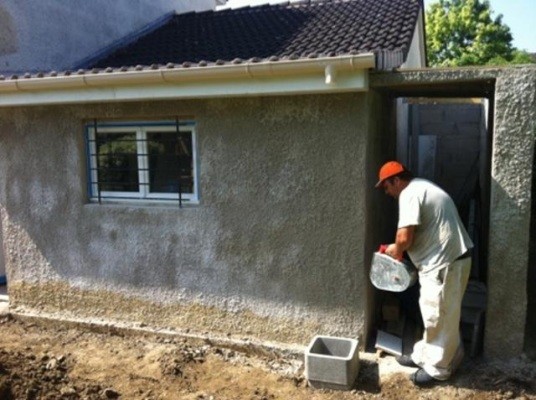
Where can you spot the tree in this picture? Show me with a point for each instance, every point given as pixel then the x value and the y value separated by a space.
pixel 462 32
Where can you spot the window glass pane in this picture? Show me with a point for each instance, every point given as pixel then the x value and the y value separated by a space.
pixel 117 162
pixel 170 162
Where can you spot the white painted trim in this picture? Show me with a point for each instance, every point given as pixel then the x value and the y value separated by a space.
pixel 333 74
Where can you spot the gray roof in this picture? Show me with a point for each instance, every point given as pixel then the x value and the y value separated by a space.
pixel 269 33
pixel 303 29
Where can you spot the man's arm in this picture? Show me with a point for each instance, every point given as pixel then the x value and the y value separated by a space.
pixel 403 241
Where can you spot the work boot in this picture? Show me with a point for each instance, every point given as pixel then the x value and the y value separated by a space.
pixel 421 378
pixel 406 361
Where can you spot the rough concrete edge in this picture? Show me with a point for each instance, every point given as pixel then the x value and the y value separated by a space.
pixel 265 349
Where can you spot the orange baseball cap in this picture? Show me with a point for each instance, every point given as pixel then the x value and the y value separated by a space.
pixel 389 169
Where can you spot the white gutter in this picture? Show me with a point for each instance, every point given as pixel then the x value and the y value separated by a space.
pixel 336 74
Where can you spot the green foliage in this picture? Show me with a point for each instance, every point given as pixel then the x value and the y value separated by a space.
pixel 522 57
pixel 462 32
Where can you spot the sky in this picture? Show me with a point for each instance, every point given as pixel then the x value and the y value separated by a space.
pixel 519 15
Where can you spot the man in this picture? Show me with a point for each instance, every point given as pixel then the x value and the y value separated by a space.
pixel 430 230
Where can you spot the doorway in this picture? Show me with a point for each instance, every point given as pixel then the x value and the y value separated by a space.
pixel 447 141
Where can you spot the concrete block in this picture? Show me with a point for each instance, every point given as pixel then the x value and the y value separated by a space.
pixel 332 362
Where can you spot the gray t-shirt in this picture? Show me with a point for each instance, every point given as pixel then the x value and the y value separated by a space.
pixel 440 237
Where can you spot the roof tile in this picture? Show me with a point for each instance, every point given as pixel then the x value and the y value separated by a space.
pixel 306 29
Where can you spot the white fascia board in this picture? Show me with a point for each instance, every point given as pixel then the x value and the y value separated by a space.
pixel 358 81
pixel 326 75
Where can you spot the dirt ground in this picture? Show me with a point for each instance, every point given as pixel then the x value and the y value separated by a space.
pixel 52 362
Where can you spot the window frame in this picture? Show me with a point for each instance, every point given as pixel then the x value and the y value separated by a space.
pixel 140 129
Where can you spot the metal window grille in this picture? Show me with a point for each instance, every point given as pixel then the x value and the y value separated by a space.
pixel 142 161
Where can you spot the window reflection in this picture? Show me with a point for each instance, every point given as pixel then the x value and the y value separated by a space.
pixel 117 162
pixel 170 162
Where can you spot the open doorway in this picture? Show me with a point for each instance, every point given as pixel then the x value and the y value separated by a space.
pixel 447 140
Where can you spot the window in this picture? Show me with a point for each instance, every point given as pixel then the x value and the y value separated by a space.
pixel 142 161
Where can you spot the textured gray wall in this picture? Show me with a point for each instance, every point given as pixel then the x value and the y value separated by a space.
pixel 56 34
pixel 514 134
pixel 511 171
pixel 273 250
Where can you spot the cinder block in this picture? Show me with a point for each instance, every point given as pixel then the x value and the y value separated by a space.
pixel 332 362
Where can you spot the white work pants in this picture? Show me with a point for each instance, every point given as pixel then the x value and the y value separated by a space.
pixel 441 350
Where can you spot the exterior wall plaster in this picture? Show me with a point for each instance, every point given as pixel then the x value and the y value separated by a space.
pixel 274 250
pixel 511 171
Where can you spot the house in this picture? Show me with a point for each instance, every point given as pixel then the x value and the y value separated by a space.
pixel 215 175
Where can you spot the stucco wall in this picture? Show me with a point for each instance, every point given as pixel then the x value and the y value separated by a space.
pixel 274 249
pixel 511 171
pixel 41 35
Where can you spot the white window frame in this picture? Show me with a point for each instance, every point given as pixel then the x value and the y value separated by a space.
pixel 144 194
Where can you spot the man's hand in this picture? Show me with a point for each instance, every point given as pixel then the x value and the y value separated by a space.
pixel 403 241
pixel 392 251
